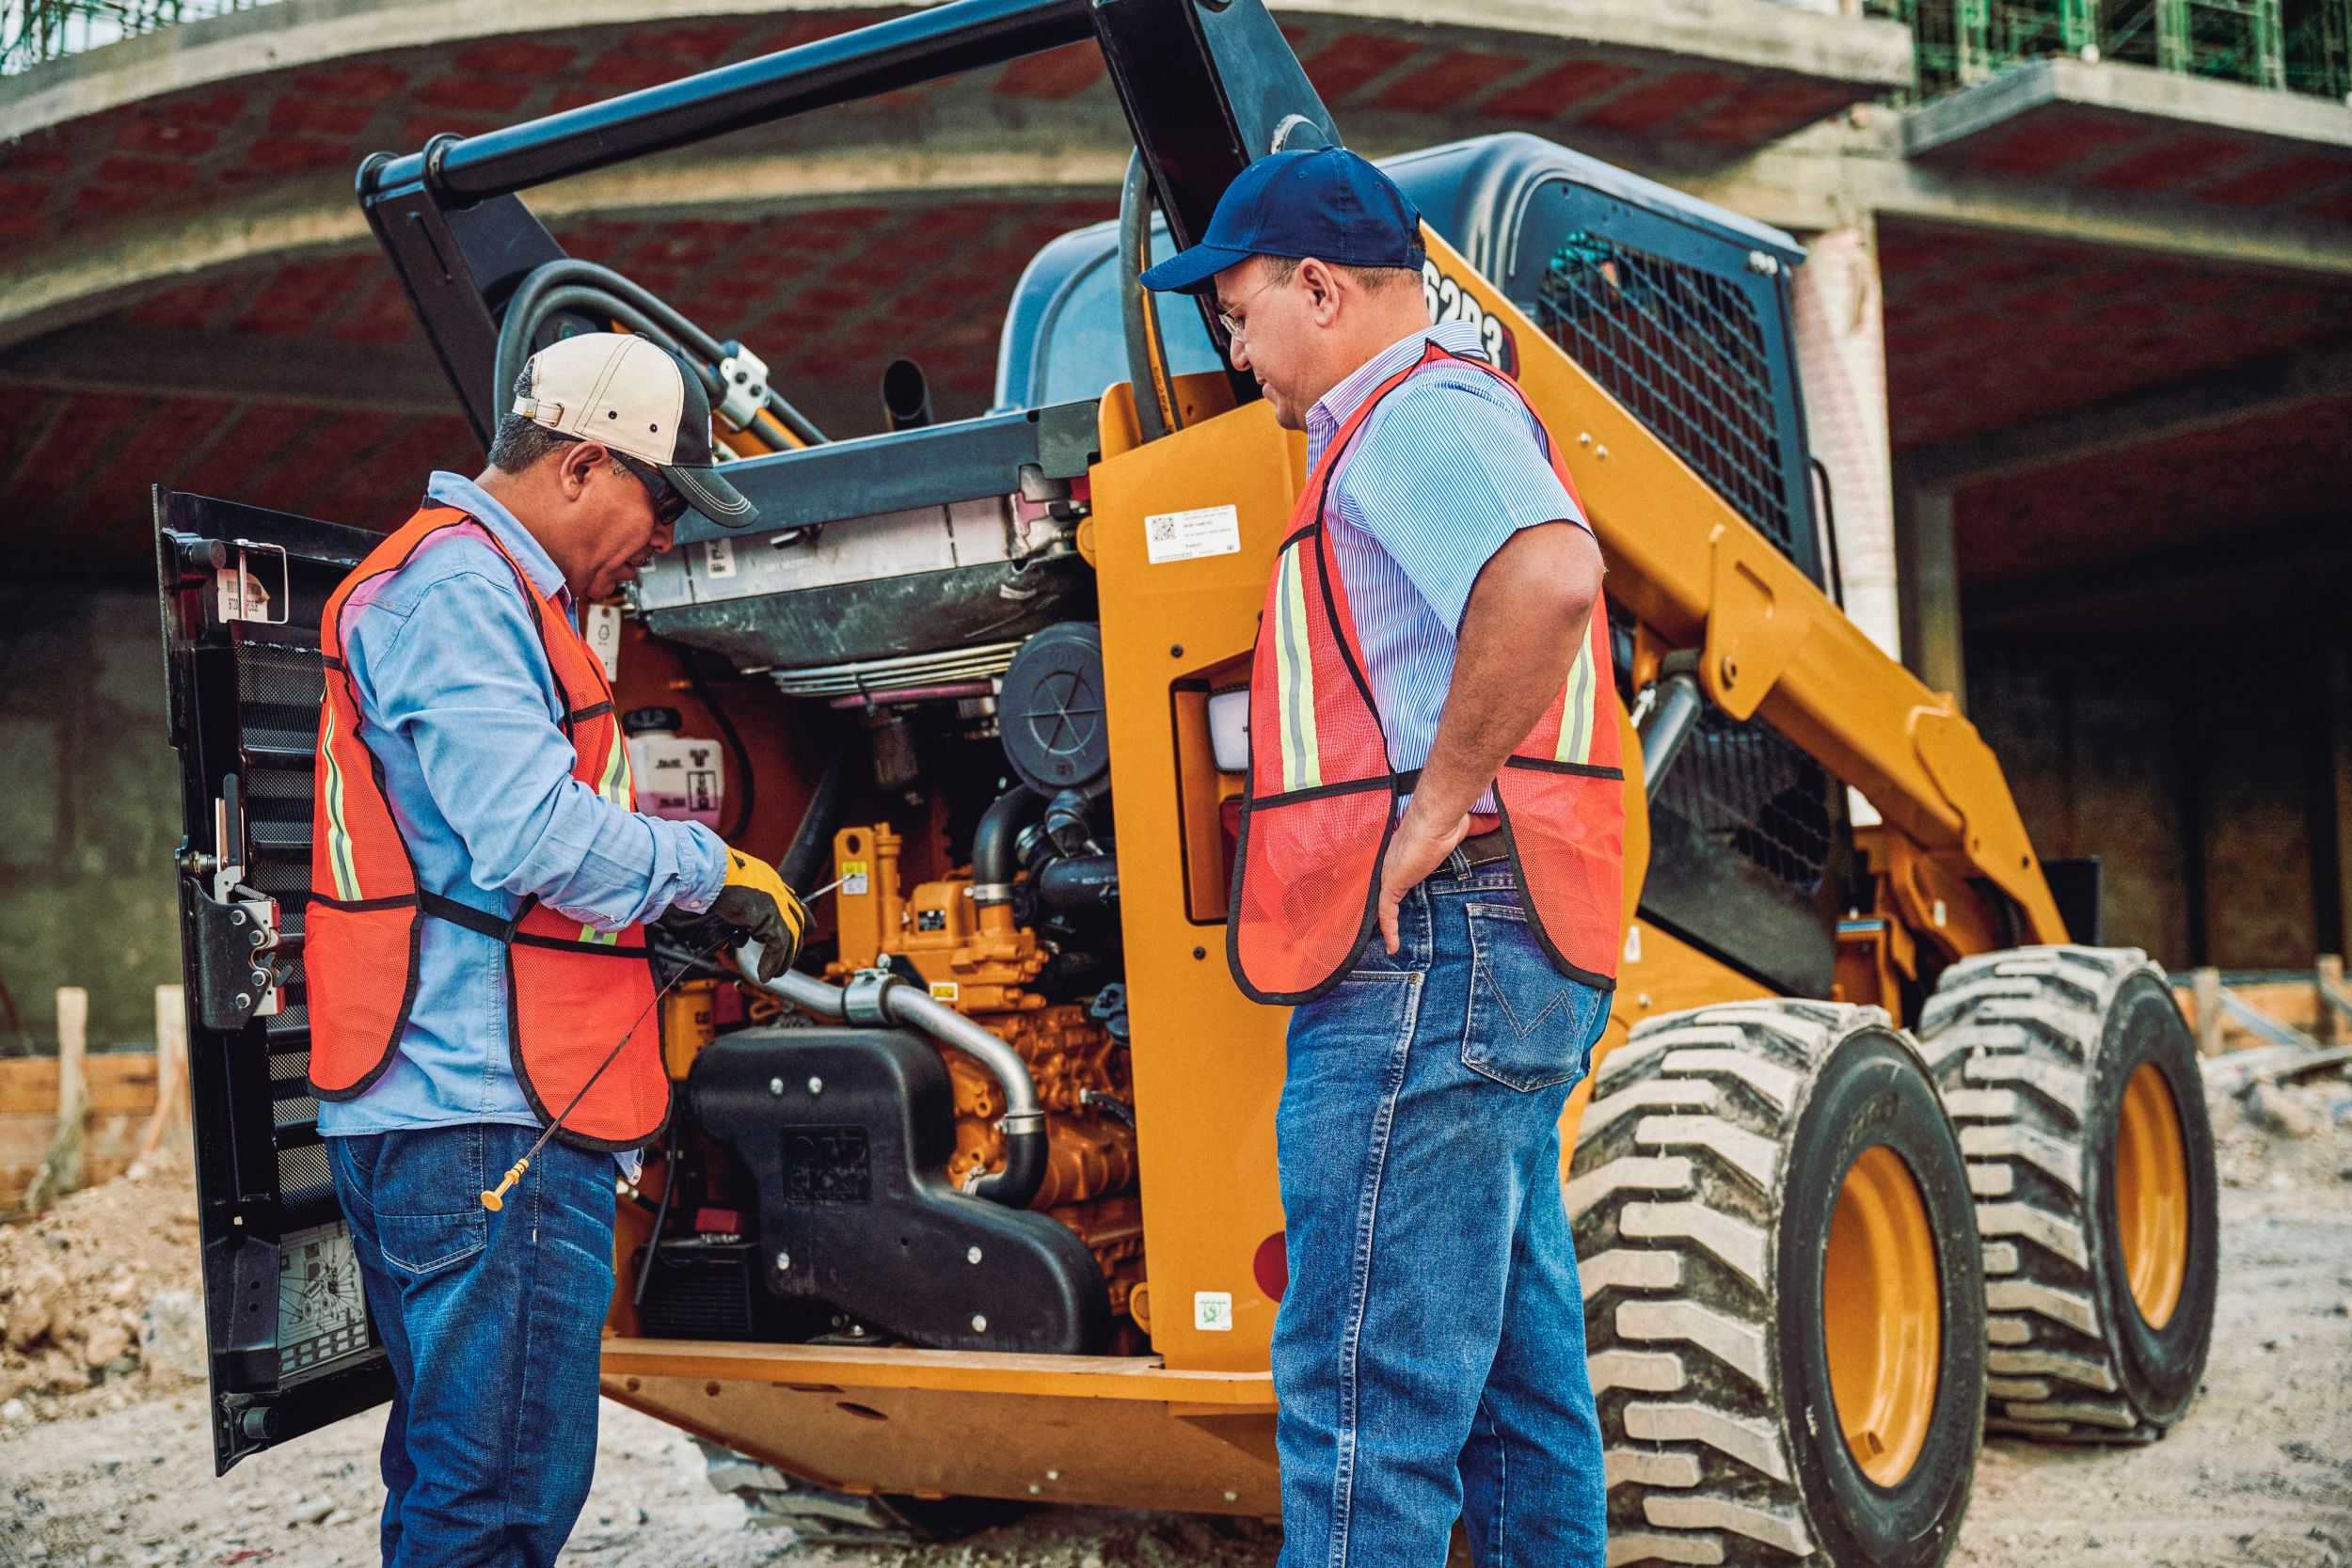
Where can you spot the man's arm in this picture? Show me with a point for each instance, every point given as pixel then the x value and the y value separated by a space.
pixel 1529 614
pixel 461 674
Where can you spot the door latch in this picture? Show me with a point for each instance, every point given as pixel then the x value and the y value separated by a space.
pixel 240 969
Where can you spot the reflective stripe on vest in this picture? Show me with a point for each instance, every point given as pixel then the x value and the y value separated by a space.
pixel 1322 795
pixel 567 997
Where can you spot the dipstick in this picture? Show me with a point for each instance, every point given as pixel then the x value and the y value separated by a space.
pixel 494 1198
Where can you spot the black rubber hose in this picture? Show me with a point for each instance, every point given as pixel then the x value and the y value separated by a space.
pixel 1138 312
pixel 571 282
pixel 1079 884
pixel 994 861
pixel 1022 1175
pixel 660 1216
pixel 812 841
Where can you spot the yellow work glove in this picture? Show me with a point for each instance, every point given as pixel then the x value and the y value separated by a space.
pixel 755 902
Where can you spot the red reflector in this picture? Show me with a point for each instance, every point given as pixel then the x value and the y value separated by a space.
pixel 1272 1266
pixel 718 1222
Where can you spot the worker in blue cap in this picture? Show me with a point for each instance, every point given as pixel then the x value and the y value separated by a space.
pixel 1429 1350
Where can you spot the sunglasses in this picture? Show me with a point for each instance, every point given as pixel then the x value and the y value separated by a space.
pixel 668 505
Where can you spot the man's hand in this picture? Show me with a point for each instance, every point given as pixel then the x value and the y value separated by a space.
pixel 1415 850
pixel 755 902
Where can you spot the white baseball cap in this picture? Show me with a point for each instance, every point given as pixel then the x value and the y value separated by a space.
pixel 632 395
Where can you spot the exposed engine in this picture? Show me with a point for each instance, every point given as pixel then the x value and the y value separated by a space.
pixel 839 1186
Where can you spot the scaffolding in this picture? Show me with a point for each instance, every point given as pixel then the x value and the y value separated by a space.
pixel 33 32
pixel 2299 45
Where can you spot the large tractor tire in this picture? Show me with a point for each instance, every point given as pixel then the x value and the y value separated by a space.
pixel 2074 1084
pixel 1782 1297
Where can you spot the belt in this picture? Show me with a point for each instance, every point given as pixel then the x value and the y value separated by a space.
pixel 1484 849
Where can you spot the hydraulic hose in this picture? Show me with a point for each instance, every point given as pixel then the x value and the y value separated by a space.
pixel 812 841
pixel 876 996
pixel 574 284
pixel 1079 884
pixel 1147 371
pixel 994 859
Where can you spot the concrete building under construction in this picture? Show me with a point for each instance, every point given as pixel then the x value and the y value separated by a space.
pixel 2075 330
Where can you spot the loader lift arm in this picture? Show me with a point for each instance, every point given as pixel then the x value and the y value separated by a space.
pixel 1206 89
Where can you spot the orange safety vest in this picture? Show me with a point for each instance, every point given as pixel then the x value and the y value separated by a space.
pixel 1322 797
pixel 571 989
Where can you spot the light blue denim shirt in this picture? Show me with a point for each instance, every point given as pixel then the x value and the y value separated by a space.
pixel 1444 472
pixel 461 709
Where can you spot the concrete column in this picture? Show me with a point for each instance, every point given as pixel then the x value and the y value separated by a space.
pixel 1841 357
pixel 1930 585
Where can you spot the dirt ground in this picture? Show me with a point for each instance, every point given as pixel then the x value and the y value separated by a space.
pixel 106 1461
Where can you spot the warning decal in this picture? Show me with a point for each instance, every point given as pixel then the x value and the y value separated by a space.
pixel 322 1312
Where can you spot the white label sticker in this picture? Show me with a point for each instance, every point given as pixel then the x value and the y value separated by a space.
pixel 1189 535
pixel 1633 944
pixel 1213 1310
pixel 601 628
pixel 322 1314
pixel 853 882
pixel 719 558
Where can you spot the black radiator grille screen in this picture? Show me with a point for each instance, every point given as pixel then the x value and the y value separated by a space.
pixel 280 683
pixel 1684 351
pixel 1752 791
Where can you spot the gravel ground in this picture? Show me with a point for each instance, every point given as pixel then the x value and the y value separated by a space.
pixel 2260 1473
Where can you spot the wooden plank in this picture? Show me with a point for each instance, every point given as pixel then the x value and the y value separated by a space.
pixel 118 1081
pixel 109 1145
pixel 2205 986
pixel 169 1119
pixel 67 1163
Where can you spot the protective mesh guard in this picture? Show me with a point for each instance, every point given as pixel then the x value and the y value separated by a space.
pixel 1685 352
pixel 1750 790
pixel 280 683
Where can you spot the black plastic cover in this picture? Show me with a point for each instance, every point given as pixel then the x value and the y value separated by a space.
pixel 848 1134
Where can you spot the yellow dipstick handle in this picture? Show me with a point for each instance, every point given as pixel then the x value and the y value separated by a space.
pixel 495 1200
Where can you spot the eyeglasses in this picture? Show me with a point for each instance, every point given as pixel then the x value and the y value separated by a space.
pixel 1238 330
pixel 668 505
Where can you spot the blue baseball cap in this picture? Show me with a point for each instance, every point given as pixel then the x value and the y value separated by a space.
pixel 1328 203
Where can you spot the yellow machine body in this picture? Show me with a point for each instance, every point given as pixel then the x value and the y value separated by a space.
pixel 1187 1421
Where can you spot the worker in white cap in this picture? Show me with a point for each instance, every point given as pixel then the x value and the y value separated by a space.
pixel 474 945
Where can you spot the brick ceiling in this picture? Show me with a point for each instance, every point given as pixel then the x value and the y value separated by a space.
pixel 831 296
pixel 1986 329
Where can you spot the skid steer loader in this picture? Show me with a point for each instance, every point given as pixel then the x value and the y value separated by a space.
pixel 1880 1149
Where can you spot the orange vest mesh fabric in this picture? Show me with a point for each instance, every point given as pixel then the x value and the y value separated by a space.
pixel 1322 795
pixel 571 990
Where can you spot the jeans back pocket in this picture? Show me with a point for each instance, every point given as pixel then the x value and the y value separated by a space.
pixel 422 1244
pixel 1530 1026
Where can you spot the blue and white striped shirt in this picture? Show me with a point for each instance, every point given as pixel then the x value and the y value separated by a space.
pixel 1444 472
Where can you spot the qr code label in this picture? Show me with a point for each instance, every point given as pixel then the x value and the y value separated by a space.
pixel 1204 531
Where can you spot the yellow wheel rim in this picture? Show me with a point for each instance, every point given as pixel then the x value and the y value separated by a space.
pixel 2151 1194
pixel 1883 1315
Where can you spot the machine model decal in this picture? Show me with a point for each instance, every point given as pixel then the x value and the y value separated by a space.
pixel 321 1315
pixel 1449 300
pixel 1189 535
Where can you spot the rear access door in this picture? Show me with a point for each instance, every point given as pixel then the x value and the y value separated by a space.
pixel 292 1348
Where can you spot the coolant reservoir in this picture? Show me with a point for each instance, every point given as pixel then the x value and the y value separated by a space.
pixel 680 777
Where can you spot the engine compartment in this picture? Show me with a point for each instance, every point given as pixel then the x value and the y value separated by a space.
pixel 829 1170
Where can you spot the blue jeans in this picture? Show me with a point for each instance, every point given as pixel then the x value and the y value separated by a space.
pixel 1429 1351
pixel 494 1324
